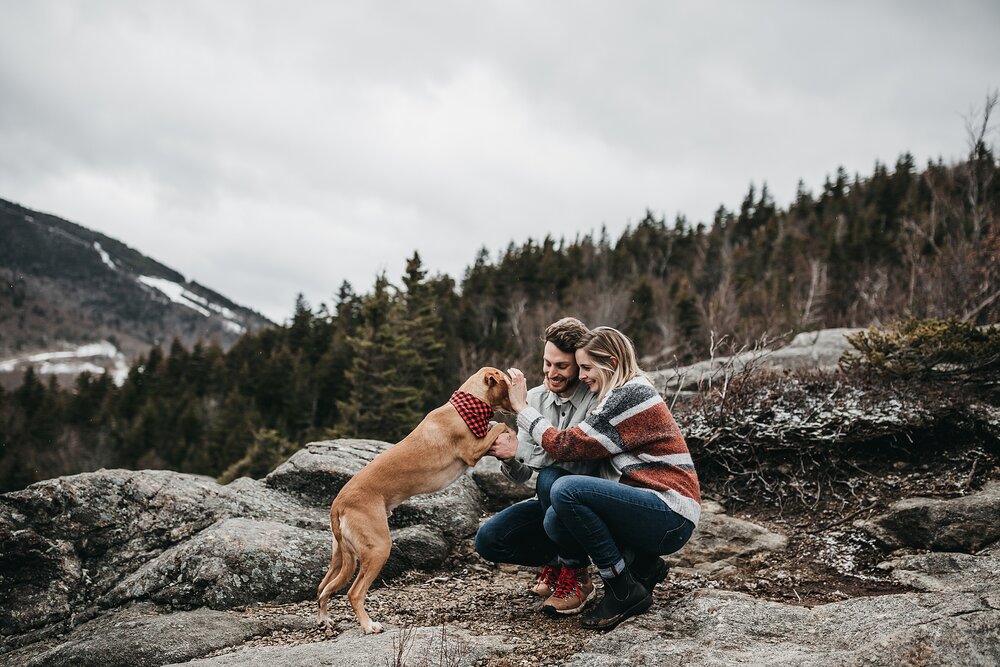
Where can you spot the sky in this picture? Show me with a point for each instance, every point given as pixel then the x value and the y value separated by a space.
pixel 267 149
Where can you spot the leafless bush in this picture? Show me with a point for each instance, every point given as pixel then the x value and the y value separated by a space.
pixel 440 651
pixel 401 643
pixel 727 362
pixel 450 652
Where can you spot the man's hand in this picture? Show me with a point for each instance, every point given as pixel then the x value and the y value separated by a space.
pixel 504 447
pixel 518 391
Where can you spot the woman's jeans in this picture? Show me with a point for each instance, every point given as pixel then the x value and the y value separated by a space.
pixel 595 517
pixel 576 517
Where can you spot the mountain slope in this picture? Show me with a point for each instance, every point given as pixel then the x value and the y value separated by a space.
pixel 64 287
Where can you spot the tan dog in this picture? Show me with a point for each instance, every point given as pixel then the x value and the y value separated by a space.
pixel 431 457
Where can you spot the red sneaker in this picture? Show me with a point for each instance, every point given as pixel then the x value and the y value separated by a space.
pixel 547 579
pixel 573 591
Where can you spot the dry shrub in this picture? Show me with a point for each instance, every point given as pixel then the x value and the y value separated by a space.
pixel 939 351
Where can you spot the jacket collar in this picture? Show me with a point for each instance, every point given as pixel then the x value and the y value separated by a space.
pixel 577 398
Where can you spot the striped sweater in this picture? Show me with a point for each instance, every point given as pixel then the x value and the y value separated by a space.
pixel 634 428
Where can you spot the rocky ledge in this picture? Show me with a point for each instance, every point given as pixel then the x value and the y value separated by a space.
pixel 149 568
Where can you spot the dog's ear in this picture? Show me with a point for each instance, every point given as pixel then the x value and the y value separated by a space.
pixel 494 377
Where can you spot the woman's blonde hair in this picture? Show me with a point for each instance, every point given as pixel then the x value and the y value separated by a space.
pixel 613 355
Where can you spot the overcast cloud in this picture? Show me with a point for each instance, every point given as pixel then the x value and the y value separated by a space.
pixel 271 148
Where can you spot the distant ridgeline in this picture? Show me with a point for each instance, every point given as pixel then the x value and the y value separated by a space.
pixel 901 243
pixel 73 298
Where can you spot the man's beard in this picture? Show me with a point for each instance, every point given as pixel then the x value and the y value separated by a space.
pixel 568 388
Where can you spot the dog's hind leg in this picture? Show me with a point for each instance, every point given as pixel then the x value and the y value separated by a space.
pixel 335 560
pixel 373 544
pixel 342 564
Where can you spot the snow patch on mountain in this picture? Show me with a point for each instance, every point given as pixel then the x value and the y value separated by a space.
pixel 175 293
pixel 185 297
pixel 73 362
pixel 105 257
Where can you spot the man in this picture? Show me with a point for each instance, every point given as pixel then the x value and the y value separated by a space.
pixel 516 535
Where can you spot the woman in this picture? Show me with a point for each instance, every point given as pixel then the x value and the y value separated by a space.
pixel 655 505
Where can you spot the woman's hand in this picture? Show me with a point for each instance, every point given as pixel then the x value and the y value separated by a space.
pixel 518 390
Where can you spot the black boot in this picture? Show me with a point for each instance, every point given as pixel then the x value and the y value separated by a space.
pixel 624 597
pixel 648 569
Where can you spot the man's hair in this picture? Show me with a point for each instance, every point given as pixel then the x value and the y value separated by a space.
pixel 567 334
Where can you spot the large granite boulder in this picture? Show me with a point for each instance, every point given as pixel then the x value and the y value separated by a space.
pixel 68 541
pixel 720 540
pixel 948 572
pixel 232 563
pixel 819 350
pixel 716 629
pixel 961 524
pixel 499 491
pixel 454 511
pixel 75 546
pixel 417 646
pixel 318 471
pixel 141 636
pixel 419 547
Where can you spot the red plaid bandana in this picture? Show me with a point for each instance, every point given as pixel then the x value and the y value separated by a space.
pixel 475 412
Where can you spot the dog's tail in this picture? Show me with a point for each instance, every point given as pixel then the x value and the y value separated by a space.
pixel 343 562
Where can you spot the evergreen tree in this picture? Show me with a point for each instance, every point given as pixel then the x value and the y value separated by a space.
pixel 423 368
pixel 267 451
pixel 229 437
pixel 41 407
pixel 640 324
pixel 690 326
pixel 300 330
pixel 332 387
pixel 381 405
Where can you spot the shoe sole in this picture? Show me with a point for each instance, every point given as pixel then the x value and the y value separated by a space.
pixel 552 611
pixel 612 623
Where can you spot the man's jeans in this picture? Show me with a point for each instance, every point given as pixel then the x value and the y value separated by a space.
pixel 595 517
pixel 516 535
pixel 576 516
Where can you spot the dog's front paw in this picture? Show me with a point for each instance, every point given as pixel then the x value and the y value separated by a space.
pixel 373 628
pixel 327 627
pixel 325 624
